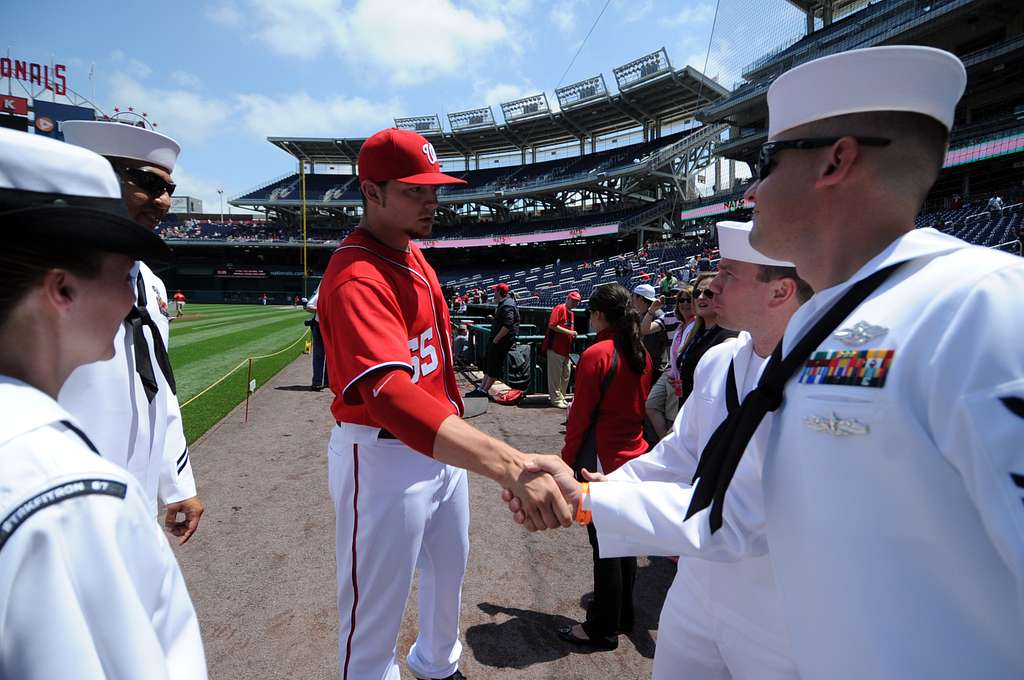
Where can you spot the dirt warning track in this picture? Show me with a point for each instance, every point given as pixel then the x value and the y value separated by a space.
pixel 261 567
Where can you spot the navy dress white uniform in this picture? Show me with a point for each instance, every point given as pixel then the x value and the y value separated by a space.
pixel 139 430
pixel 894 469
pixel 89 587
pixel 719 620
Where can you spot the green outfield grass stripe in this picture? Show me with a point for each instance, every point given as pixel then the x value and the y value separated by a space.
pixel 241 327
pixel 204 349
pixel 200 364
pixel 189 320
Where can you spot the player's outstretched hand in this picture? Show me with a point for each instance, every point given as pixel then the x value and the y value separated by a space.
pixel 192 508
pixel 551 468
pixel 539 498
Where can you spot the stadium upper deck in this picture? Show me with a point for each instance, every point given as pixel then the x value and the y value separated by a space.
pixel 651 92
pixel 985 34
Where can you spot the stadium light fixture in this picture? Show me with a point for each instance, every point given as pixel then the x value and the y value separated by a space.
pixel 425 125
pixel 474 118
pixel 527 107
pixel 583 91
pixel 645 68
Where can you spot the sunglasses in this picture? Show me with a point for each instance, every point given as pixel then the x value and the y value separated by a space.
pixel 684 301
pixel 764 158
pixel 150 182
pixel 706 293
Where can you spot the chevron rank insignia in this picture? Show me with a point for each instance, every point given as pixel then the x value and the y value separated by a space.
pixel 860 333
pixel 858 368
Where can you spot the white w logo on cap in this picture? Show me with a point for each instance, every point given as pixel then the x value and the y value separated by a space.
pixel 428 150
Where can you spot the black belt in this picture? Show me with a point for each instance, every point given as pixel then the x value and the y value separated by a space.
pixel 383 434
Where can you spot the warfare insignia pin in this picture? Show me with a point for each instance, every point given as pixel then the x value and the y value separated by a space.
pixel 836 426
pixel 860 333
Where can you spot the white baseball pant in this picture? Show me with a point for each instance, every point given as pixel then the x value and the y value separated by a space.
pixel 396 510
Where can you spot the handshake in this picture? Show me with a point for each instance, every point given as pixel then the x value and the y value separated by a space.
pixel 547 494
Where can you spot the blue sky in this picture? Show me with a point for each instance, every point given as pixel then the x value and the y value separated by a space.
pixel 221 76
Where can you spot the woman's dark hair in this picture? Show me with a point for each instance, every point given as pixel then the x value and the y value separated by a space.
pixel 24 264
pixel 612 300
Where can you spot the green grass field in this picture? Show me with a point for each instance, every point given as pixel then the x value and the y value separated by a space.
pixel 211 340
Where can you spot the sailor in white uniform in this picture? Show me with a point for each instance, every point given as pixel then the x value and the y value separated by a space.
pixel 719 620
pixel 893 466
pixel 128 405
pixel 89 587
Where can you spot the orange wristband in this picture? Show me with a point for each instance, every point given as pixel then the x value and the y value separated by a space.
pixel 583 516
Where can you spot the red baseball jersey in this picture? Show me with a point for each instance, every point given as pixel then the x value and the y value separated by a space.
pixel 382 309
pixel 560 343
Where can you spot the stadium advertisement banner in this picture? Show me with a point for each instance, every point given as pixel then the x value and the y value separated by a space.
pixel 17 106
pixel 240 273
pixel 51 77
pixel 49 116
pixel 14 123
pixel 983 150
pixel 715 209
pixel 538 237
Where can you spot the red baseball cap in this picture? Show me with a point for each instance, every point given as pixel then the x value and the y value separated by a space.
pixel 575 295
pixel 401 155
pixel 502 288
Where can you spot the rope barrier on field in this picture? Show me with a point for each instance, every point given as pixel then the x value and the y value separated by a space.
pixel 243 363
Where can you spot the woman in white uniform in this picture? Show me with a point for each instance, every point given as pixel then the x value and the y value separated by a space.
pixel 89 587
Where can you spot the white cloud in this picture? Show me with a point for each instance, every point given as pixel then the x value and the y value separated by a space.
pixel 182 114
pixel 633 11
pixel 224 14
pixel 695 14
pixel 205 189
pixel 409 42
pixel 563 15
pixel 301 114
pixel 130 65
pixel 186 80
pixel 493 94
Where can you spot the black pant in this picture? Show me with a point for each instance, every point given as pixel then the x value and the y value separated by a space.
pixel 611 610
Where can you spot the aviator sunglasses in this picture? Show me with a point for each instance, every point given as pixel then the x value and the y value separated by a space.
pixel 149 182
pixel 705 293
pixel 764 158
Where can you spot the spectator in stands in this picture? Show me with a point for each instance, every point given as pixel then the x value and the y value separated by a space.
pixel 605 430
pixel 652 326
pixel 558 345
pixel 703 264
pixel 995 206
pixel 705 334
pixel 460 304
pixel 504 329
pixel 957 202
pixel 663 401
pixel 667 283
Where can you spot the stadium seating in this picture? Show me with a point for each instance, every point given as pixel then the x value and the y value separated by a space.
pixel 344 188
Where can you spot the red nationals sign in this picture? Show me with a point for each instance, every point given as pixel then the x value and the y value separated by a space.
pixel 13 105
pixel 36 74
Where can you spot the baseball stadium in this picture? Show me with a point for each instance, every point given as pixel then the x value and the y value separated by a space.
pixel 552 204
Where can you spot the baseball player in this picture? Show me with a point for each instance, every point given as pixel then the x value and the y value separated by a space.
pixel 89 587
pixel 179 304
pixel 128 406
pixel 397 454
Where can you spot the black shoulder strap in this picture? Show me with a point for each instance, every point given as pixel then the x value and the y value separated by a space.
pixel 732 397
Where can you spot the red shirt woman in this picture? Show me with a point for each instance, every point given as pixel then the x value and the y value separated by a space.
pixel 608 415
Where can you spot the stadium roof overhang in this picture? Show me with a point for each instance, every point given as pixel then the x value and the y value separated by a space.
pixel 669 96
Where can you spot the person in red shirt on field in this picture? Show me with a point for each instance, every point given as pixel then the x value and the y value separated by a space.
pixel 397 458
pixel 605 430
pixel 179 304
pixel 558 343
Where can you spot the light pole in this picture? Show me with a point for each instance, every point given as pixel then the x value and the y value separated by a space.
pixel 221 192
